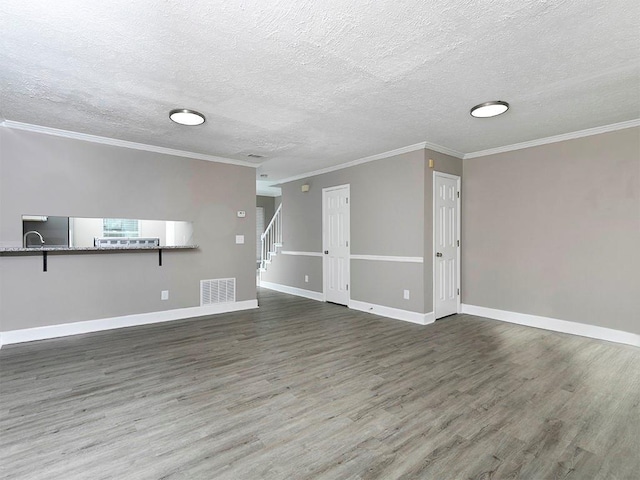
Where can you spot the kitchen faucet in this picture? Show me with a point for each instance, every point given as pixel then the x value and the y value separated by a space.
pixel 24 238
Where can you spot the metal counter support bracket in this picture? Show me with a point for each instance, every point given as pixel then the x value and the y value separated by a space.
pixel 44 261
pixel 160 257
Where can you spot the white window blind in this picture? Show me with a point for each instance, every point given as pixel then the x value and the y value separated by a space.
pixel 120 228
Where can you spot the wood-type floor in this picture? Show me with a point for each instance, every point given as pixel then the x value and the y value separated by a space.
pixel 305 390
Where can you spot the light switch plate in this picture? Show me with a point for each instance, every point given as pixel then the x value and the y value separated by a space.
pixel 242 214
pixel 239 239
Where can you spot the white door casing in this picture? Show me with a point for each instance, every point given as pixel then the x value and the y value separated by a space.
pixel 446 244
pixel 335 244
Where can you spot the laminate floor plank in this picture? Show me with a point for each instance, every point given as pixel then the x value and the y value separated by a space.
pixel 300 389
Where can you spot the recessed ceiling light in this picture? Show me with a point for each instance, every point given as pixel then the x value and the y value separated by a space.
pixel 489 109
pixel 186 117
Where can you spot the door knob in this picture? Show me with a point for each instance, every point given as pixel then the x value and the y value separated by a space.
pixel 326 252
pixel 438 254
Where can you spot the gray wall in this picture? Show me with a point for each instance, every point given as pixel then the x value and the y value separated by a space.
pixel 554 230
pixel 85 230
pixel 154 229
pixel 42 174
pixel 291 269
pixel 268 203
pixel 387 218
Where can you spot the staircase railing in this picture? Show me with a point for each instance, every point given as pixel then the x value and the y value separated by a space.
pixel 271 238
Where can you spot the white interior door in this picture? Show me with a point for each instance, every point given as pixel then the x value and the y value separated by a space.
pixel 335 243
pixel 446 242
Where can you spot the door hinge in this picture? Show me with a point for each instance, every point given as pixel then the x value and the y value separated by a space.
pixel 458 194
pixel 458 242
pixel 347 286
pixel 458 291
pixel 347 199
pixel 347 243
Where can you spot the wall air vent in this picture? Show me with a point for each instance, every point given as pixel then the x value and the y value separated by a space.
pixel 219 290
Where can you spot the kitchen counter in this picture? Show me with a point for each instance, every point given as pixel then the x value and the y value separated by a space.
pixel 91 249
pixel 44 251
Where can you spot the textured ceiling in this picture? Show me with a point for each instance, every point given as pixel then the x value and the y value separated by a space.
pixel 310 84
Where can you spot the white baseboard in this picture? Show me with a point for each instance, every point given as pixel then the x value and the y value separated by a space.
pixel 546 323
pixel 76 328
pixel 396 313
pixel 300 292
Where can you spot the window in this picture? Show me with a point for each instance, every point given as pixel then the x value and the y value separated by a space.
pixel 120 228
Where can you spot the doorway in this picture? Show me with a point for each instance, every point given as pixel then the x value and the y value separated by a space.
pixel 335 244
pixel 446 244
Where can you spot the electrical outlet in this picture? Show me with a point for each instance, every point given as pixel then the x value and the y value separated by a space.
pixel 306 279
pixel 164 295
pixel 239 239
pixel 406 294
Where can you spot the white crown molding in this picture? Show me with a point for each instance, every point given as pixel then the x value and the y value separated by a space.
pixel 554 324
pixel 299 292
pixel 399 151
pixel 263 188
pixel 372 158
pixel 445 150
pixel 388 258
pixel 554 139
pixel 395 313
pixel 304 254
pixel 77 328
pixel 121 143
pixel 272 192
